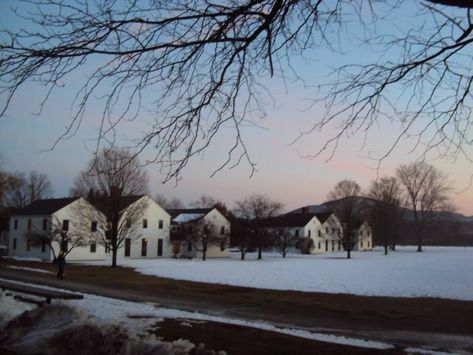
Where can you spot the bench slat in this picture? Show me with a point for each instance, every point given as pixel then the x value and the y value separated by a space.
pixel 36 291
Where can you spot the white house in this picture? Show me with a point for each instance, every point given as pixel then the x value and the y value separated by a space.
pixel 148 237
pixel 183 222
pixel 364 240
pixel 76 220
pixel 322 228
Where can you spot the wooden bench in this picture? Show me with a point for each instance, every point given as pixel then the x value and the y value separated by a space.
pixel 37 291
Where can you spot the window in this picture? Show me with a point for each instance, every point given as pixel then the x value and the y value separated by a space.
pixel 128 223
pixel 333 245
pixel 43 246
pixel 319 245
pixel 339 246
pixel 361 244
pixel 15 227
pixel 160 224
pixel 222 246
pixel 45 224
pixel 127 246
pixel 189 247
pixel 160 247
pixel 145 223
pixel 65 225
pixel 29 225
pixel 326 245
pixel 333 230
pixel 107 247
pixel 309 232
pixel 320 233
pixel 93 228
pixel 297 233
pixel 93 247
pixel 326 230
pixel 368 244
pixel 144 247
pixel 222 230
pixel 14 243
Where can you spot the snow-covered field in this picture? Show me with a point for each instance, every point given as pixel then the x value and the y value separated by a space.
pixel 443 272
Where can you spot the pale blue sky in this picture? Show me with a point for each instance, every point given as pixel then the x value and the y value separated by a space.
pixel 283 173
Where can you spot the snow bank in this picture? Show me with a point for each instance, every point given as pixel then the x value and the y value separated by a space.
pixel 29 269
pixel 10 307
pixel 443 272
pixel 59 329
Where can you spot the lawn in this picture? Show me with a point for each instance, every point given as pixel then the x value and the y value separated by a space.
pixel 443 272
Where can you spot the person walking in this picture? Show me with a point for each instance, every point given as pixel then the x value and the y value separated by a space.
pixel 61 263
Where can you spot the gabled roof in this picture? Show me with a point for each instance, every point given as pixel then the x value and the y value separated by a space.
pixel 289 220
pixel 45 207
pixel 102 204
pixel 297 219
pixel 322 217
pixel 176 212
pixel 184 215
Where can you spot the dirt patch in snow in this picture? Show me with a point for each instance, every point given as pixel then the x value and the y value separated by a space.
pixel 237 339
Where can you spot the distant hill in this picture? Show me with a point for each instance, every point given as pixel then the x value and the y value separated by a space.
pixel 455 228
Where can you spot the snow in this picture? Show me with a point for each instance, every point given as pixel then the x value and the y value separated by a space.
pixel 187 217
pixel 139 317
pixel 29 269
pixel 22 258
pixel 441 272
pixel 10 307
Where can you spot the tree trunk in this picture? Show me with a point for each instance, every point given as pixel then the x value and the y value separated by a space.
pixel 284 254
pixel 260 253
pixel 114 257
pixel 393 247
pixel 385 248
pixel 348 253
pixel 242 255
pixel 419 246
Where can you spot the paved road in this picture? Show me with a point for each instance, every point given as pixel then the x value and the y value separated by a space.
pixel 335 314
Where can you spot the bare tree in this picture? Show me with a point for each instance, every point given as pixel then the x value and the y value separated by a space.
pixel 87 227
pixel 26 189
pixel 422 81
pixel 386 214
pixel 346 205
pixel 255 209
pixel 204 234
pixel 283 241
pixel 204 201
pixel 173 203
pixel 242 236
pixel 427 192
pixel 205 63
pixel 114 182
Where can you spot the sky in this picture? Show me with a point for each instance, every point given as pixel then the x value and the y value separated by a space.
pixel 284 170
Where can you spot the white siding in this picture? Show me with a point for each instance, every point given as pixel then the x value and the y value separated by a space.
pixel 36 251
pixel 218 221
pixel 152 234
